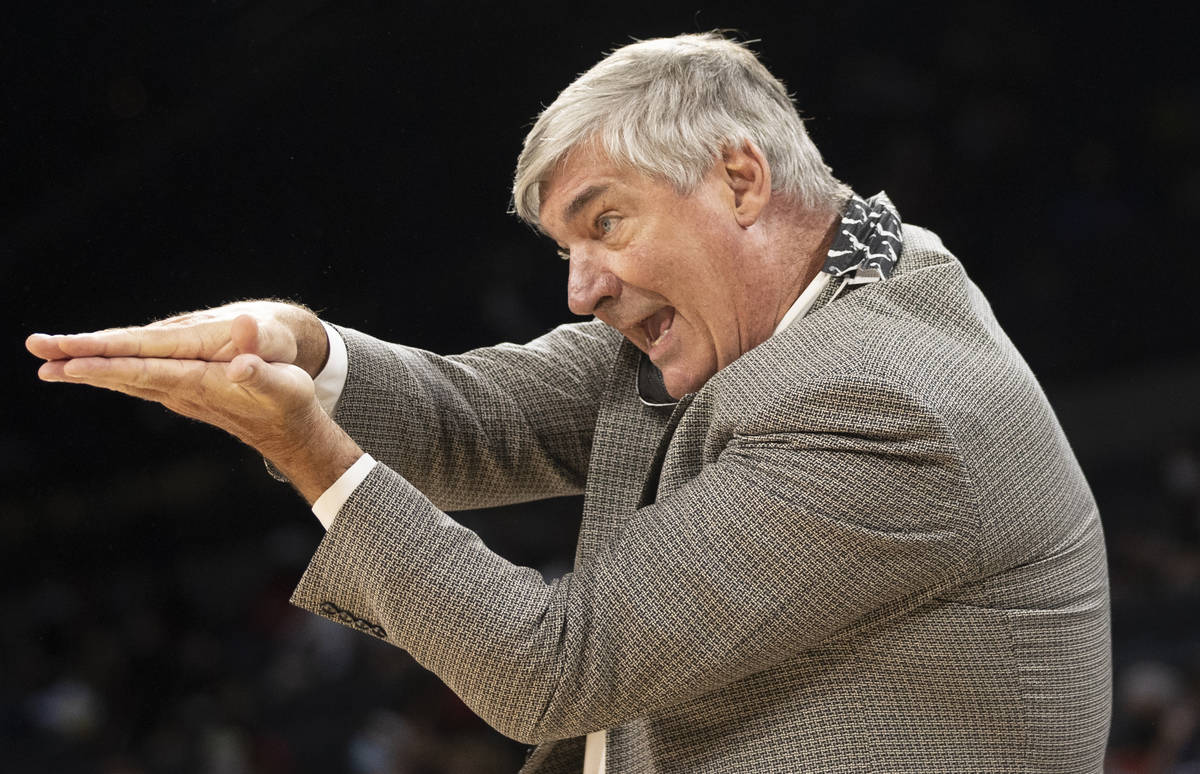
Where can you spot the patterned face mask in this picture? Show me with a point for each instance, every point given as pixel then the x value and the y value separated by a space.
pixel 868 243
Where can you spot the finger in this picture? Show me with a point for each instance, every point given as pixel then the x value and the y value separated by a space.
pixel 96 344
pixel 193 388
pixel 45 346
pixel 180 402
pixel 206 341
pixel 53 371
pixel 160 374
pixel 79 372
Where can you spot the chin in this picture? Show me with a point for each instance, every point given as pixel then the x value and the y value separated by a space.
pixel 680 382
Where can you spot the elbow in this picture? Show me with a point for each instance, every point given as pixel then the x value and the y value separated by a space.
pixel 530 711
pixel 519 725
pixel 514 699
pixel 536 733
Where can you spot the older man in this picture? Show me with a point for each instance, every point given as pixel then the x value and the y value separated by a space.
pixel 831 523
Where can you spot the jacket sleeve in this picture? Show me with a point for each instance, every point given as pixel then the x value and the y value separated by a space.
pixel 798 531
pixel 493 426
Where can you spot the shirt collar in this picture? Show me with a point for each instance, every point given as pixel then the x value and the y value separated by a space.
pixel 804 303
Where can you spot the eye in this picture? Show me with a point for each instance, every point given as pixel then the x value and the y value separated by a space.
pixel 606 223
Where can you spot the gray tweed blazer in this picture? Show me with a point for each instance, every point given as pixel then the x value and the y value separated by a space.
pixel 864 546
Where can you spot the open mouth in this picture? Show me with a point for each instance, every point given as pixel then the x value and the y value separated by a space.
pixel 658 325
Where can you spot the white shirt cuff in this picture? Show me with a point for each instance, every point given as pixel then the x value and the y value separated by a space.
pixel 332 499
pixel 332 379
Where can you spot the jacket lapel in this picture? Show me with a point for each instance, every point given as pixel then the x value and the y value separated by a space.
pixel 654 473
pixel 623 448
pixel 679 455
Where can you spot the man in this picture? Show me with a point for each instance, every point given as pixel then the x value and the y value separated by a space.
pixel 831 523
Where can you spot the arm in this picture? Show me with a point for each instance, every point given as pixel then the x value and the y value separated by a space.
pixel 276 331
pixel 492 426
pixel 496 425
pixel 796 533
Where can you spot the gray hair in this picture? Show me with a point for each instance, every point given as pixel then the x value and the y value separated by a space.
pixel 669 107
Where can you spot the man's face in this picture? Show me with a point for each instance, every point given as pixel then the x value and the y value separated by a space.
pixel 663 269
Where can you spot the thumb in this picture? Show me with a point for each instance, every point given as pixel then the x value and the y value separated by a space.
pixel 277 382
pixel 249 371
pixel 269 340
pixel 243 332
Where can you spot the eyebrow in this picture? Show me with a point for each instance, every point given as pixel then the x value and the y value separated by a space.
pixel 581 200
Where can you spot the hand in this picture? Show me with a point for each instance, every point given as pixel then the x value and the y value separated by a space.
pixel 271 406
pixel 275 331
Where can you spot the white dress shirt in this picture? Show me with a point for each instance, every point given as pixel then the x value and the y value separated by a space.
pixel 329 385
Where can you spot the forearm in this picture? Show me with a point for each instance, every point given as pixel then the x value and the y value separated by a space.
pixel 407 573
pixel 493 426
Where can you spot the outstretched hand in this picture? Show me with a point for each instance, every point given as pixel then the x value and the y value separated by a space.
pixel 275 331
pixel 233 367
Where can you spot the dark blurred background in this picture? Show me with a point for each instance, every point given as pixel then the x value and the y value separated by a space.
pixel 160 157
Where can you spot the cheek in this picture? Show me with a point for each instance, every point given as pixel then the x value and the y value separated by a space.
pixel 649 266
pixel 699 350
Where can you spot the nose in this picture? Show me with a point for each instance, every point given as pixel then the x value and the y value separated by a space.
pixel 591 283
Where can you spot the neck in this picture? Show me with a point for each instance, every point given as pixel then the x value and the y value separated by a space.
pixel 802 244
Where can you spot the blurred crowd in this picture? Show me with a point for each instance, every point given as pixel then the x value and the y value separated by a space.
pixel 1153 535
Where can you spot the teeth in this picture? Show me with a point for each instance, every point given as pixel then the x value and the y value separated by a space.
pixel 657 321
pixel 662 334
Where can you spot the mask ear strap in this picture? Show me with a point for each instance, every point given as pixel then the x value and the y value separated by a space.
pixel 841 287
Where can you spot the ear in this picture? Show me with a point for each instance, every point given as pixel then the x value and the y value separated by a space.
pixel 748 176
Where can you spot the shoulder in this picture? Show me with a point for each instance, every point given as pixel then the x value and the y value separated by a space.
pixel 854 333
pixel 922 248
pixel 923 342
